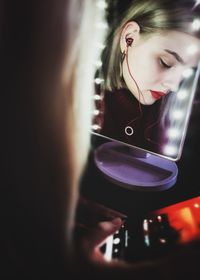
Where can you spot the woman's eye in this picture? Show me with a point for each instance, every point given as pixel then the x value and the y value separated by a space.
pixel 164 64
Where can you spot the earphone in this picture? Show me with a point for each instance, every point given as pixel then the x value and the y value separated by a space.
pixel 129 42
pixel 128 129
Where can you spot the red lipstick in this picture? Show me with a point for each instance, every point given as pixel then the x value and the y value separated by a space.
pixel 157 94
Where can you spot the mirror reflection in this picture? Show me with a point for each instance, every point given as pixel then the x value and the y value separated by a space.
pixel 150 68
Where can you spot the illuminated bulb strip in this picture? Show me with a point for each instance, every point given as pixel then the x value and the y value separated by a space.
pixel 180 115
pixel 102 26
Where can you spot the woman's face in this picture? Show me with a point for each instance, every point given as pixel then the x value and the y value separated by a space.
pixel 157 64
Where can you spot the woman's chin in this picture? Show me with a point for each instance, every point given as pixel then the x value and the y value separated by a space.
pixel 145 98
pixel 146 101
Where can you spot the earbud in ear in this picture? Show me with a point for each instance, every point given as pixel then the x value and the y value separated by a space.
pixel 129 42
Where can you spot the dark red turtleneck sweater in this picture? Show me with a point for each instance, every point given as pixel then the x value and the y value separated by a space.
pixel 125 119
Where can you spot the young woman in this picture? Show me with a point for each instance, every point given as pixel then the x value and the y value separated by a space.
pixel 149 52
pixel 45 140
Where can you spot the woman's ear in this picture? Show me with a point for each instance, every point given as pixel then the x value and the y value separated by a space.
pixel 129 35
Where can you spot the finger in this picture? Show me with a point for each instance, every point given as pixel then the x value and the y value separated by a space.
pixel 89 212
pixel 99 235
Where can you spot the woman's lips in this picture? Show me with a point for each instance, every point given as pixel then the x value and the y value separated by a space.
pixel 157 94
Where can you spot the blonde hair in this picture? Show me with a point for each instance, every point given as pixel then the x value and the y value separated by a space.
pixel 48 61
pixel 152 16
pixel 78 83
pixel 48 88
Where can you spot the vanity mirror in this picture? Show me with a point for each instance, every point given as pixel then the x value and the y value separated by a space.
pixel 145 90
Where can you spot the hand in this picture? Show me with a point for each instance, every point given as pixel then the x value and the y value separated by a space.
pixel 184 261
pixel 94 223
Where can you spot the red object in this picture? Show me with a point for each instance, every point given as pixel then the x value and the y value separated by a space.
pixel 184 217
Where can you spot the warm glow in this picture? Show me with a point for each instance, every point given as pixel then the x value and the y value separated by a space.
pixel 196 205
pixel 184 217
pixel 184 221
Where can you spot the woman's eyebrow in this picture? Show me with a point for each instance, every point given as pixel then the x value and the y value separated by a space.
pixel 177 56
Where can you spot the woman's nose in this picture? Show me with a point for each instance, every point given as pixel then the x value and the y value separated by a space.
pixel 172 81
